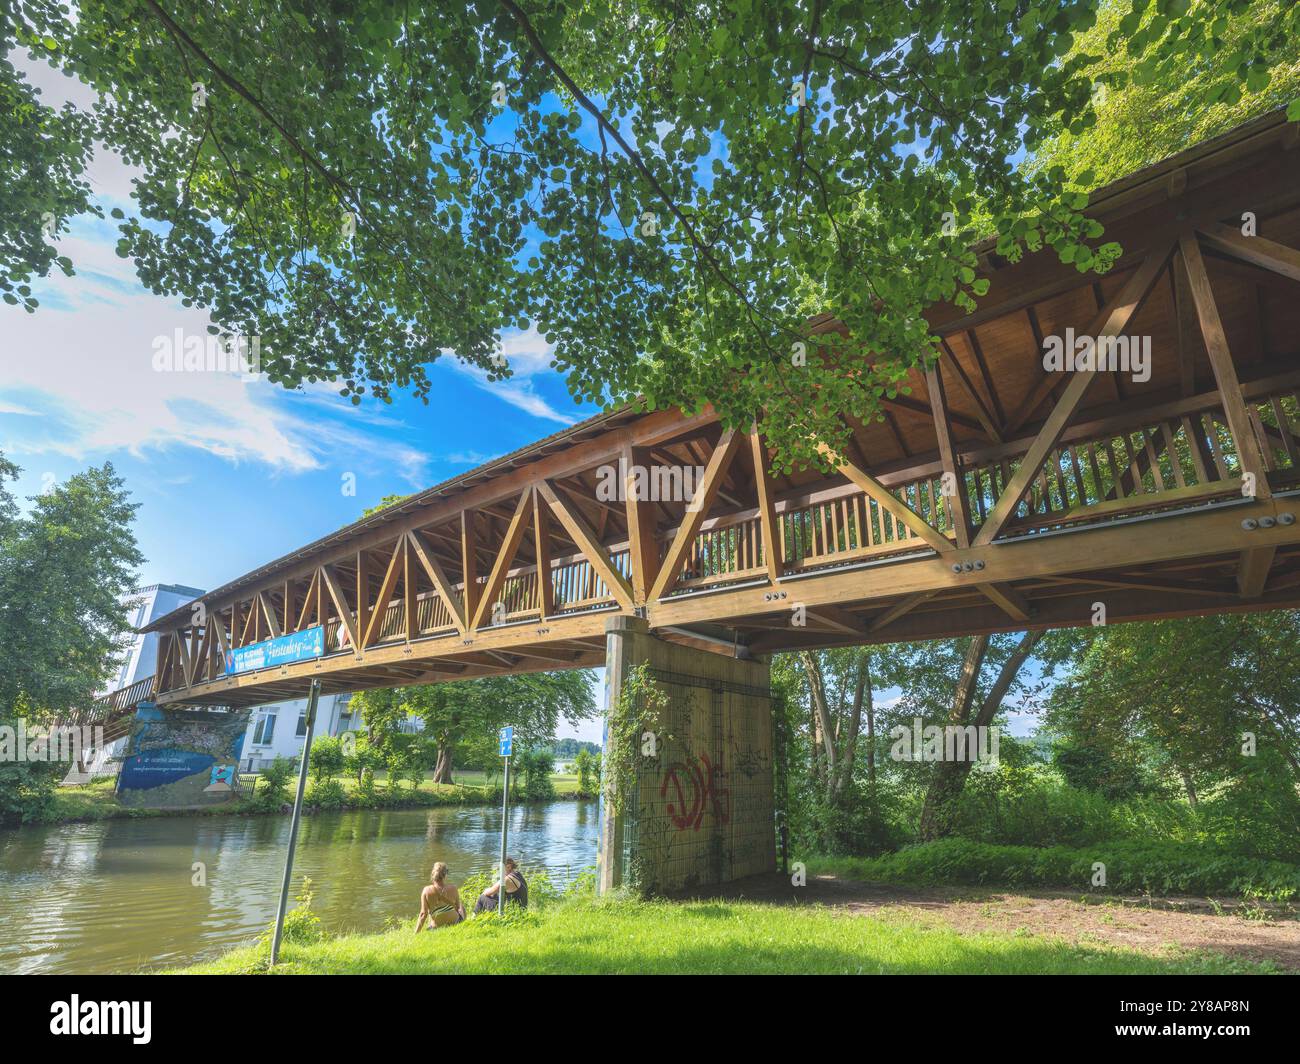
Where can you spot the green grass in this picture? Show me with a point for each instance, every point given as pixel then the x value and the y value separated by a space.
pixel 1132 867
pixel 619 936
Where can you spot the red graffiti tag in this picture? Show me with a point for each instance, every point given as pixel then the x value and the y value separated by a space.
pixel 698 787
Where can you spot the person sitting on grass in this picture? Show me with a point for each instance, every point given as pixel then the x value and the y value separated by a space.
pixel 516 890
pixel 439 901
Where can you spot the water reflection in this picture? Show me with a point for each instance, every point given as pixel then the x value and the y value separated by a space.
pixel 118 895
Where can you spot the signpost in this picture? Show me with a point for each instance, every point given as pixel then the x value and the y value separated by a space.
pixel 506 736
pixel 312 699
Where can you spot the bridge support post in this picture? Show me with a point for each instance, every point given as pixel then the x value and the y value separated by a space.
pixel 698 807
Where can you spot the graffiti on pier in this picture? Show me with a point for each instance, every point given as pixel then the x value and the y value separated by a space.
pixel 751 763
pixel 696 786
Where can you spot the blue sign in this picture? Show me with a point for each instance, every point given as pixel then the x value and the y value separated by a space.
pixel 507 737
pixel 282 650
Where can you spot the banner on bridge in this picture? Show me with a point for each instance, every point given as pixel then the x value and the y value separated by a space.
pixel 282 650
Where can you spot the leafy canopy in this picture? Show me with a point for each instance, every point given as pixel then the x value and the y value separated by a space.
pixel 668 192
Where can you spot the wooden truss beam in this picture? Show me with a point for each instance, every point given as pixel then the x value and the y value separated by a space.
pixel 386 590
pixel 341 604
pixel 1266 254
pixel 1117 314
pixel 1225 374
pixel 441 582
pixel 509 548
pixel 642 530
pixel 590 546
pixel 766 493
pixel 705 492
pixel 888 501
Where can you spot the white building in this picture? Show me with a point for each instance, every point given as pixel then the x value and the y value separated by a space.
pixel 151 602
pixel 278 730
pixel 275 730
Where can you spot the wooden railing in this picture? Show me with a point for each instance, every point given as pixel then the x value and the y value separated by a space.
pixel 575 586
pixel 1189 458
pixel 856 526
pixel 1122 473
pixel 117 703
pixel 844 529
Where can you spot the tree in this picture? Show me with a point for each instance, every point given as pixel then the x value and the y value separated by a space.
pixel 950 775
pixel 1147 112
pixel 466 715
pixel 585 765
pixel 667 196
pixel 829 699
pixel 536 767
pixel 66 568
pixel 1211 702
pixel 327 757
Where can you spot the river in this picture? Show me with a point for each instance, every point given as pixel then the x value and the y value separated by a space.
pixel 119 895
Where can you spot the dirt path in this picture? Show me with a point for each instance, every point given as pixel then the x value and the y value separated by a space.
pixel 1152 925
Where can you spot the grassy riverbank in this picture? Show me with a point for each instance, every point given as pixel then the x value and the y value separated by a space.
pixel 96 801
pixel 596 936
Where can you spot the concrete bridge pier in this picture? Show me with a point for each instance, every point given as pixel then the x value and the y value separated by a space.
pixel 700 808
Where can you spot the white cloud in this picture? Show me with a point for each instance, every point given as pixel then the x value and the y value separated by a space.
pixel 529 356
pixel 82 382
pixel 469 458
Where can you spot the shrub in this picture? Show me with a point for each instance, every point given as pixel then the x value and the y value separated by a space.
pixel 585 765
pixel 326 757
pixel 536 766
pixel 365 793
pixel 275 778
pixel 301 926
pixel 327 794
pixel 583 884
pixel 1130 867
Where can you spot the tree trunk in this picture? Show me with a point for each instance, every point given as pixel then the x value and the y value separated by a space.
pixel 442 770
pixel 823 746
pixel 848 748
pixel 949 778
pixel 871 732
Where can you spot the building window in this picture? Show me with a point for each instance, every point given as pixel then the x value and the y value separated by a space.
pixel 302 724
pixel 264 730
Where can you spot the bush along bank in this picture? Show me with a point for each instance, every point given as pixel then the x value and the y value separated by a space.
pixel 97 801
pixel 1107 868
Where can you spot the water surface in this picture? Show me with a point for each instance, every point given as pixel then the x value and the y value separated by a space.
pixel 118 895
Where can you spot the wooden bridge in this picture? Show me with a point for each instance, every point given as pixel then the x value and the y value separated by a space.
pixel 995 496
